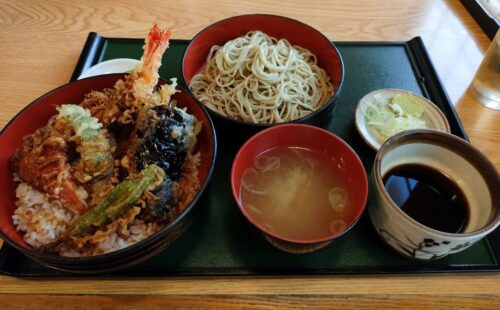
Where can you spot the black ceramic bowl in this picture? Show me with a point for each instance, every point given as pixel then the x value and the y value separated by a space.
pixel 279 27
pixel 35 116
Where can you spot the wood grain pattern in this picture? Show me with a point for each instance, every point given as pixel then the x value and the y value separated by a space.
pixel 41 42
pixel 451 284
pixel 372 301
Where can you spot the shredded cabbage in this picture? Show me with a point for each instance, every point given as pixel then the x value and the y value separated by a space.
pixel 389 116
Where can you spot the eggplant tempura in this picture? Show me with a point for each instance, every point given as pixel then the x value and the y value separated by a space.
pixel 112 170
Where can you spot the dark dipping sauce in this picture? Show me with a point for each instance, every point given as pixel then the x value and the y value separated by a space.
pixel 428 196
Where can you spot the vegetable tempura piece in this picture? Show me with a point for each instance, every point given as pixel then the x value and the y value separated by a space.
pixel 117 202
pixel 92 144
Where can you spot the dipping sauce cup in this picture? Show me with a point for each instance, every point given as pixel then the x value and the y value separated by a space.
pixel 451 158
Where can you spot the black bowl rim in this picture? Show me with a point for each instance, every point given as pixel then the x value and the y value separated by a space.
pixel 304 119
pixel 49 258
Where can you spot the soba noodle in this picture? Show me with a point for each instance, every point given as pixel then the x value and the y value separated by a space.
pixel 259 79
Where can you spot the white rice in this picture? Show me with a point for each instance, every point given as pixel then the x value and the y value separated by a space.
pixel 112 241
pixel 42 220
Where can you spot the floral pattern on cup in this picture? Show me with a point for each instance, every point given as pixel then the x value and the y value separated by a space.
pixel 422 249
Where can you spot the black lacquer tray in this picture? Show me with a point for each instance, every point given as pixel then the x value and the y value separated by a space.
pixel 221 242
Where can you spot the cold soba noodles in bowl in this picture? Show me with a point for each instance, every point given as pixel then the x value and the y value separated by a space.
pixel 300 185
pixel 257 70
pixel 260 79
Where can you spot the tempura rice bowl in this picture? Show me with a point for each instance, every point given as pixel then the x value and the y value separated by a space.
pixel 118 254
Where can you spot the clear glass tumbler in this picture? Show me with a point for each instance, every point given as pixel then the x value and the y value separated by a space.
pixel 486 82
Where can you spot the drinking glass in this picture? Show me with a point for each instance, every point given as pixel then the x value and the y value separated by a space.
pixel 486 82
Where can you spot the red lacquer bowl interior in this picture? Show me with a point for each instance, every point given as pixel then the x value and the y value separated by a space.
pixel 314 139
pixel 276 26
pixel 37 114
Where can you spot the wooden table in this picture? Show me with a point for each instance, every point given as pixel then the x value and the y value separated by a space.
pixel 41 42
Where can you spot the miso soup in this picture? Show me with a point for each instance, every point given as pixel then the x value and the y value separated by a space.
pixel 296 193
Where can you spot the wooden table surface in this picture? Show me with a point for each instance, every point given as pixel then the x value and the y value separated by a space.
pixel 40 44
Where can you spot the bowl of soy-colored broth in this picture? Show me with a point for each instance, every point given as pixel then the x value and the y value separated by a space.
pixel 300 185
pixel 432 194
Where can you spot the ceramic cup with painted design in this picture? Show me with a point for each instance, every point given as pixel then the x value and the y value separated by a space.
pixel 457 160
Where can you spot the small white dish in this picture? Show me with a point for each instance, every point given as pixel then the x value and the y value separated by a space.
pixel 433 117
pixel 118 65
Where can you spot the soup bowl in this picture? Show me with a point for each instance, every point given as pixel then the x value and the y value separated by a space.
pixel 296 32
pixel 433 233
pixel 36 115
pixel 343 162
